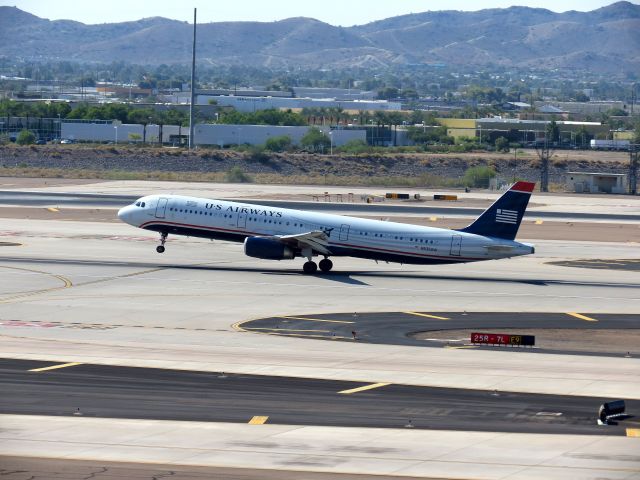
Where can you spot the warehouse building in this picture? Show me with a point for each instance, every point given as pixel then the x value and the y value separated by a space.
pixel 252 104
pixel 225 135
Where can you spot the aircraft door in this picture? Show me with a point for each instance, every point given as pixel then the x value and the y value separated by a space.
pixel 344 232
pixel 242 220
pixel 161 208
pixel 456 245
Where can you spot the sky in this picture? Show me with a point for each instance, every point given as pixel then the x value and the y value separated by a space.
pixel 335 12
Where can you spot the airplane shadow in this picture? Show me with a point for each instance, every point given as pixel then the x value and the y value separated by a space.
pixel 335 276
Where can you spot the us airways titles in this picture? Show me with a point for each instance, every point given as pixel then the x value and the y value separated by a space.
pixel 252 211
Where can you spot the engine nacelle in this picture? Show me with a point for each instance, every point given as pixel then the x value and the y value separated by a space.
pixel 267 249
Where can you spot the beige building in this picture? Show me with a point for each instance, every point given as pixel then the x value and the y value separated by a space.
pixel 581 182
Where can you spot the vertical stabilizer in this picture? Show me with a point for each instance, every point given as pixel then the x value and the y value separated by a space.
pixel 502 219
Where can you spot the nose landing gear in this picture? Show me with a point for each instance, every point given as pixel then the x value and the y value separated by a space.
pixel 163 238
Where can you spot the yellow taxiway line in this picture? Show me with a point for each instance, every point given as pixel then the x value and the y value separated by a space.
pixel 362 389
pixel 633 432
pixel 52 209
pixel 54 367
pixel 287 330
pixel 427 315
pixel 258 420
pixel 315 319
pixel 582 317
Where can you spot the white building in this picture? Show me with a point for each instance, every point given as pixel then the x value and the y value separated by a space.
pixel 84 131
pixel 224 135
pixel 581 182
pixel 252 104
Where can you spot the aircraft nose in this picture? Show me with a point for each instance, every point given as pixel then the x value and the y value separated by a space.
pixel 125 214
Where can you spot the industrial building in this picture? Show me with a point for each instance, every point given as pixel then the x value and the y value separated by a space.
pixel 522 131
pixel 581 182
pixel 252 104
pixel 225 135
pixel 205 134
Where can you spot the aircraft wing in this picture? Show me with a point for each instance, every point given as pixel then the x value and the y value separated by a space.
pixel 316 240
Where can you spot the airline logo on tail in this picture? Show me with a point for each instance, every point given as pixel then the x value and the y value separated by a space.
pixel 507 216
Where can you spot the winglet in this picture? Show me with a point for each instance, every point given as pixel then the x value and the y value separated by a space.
pixel 502 219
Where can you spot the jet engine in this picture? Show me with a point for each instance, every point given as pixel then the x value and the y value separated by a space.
pixel 267 249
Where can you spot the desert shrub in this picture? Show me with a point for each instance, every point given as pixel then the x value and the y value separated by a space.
pixel 26 137
pixel 237 175
pixel 478 177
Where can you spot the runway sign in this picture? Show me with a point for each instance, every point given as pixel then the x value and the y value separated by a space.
pixel 503 339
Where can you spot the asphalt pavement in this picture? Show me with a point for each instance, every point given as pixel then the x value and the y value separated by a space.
pixel 35 388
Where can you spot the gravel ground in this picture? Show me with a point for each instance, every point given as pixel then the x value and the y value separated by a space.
pixel 451 166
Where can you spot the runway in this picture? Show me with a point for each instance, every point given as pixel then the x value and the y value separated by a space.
pixel 11 197
pixel 122 392
pixel 97 293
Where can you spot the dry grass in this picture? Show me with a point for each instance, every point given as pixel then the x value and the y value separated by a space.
pixel 425 180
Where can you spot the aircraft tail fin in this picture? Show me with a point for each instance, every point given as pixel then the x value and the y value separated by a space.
pixel 502 219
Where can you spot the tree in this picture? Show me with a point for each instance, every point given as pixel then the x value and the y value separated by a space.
pixel 502 144
pixel 278 144
pixel 315 140
pixel 26 137
pixel 552 132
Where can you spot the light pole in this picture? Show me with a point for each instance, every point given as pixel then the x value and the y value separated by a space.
pixel 331 143
pixel 116 128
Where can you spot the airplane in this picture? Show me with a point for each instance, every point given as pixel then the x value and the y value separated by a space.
pixel 272 233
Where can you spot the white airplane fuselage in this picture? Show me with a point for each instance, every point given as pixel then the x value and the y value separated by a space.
pixel 343 235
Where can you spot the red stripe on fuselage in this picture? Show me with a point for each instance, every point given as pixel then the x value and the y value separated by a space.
pixel 347 245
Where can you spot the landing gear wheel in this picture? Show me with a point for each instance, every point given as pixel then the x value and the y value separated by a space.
pixel 309 267
pixel 326 265
pixel 163 239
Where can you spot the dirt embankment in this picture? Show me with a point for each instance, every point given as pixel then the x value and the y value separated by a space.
pixel 111 158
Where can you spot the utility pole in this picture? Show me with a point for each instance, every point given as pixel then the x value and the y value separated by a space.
pixel 634 150
pixel 544 152
pixel 193 83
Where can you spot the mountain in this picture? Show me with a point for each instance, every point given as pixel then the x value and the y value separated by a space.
pixel 602 40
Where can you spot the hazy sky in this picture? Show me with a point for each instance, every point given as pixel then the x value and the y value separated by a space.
pixel 335 12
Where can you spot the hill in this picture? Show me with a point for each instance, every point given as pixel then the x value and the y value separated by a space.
pixel 602 40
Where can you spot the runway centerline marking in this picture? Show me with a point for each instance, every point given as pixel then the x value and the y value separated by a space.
pixel 427 315
pixel 315 320
pixel 258 420
pixel 362 389
pixel 54 367
pixel 582 317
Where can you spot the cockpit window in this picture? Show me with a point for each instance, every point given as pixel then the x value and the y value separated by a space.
pixel 137 204
pixel 142 205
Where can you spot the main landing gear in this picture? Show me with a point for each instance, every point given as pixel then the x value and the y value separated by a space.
pixel 310 267
pixel 163 239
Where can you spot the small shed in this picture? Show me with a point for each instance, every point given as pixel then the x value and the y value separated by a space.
pixel 582 182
